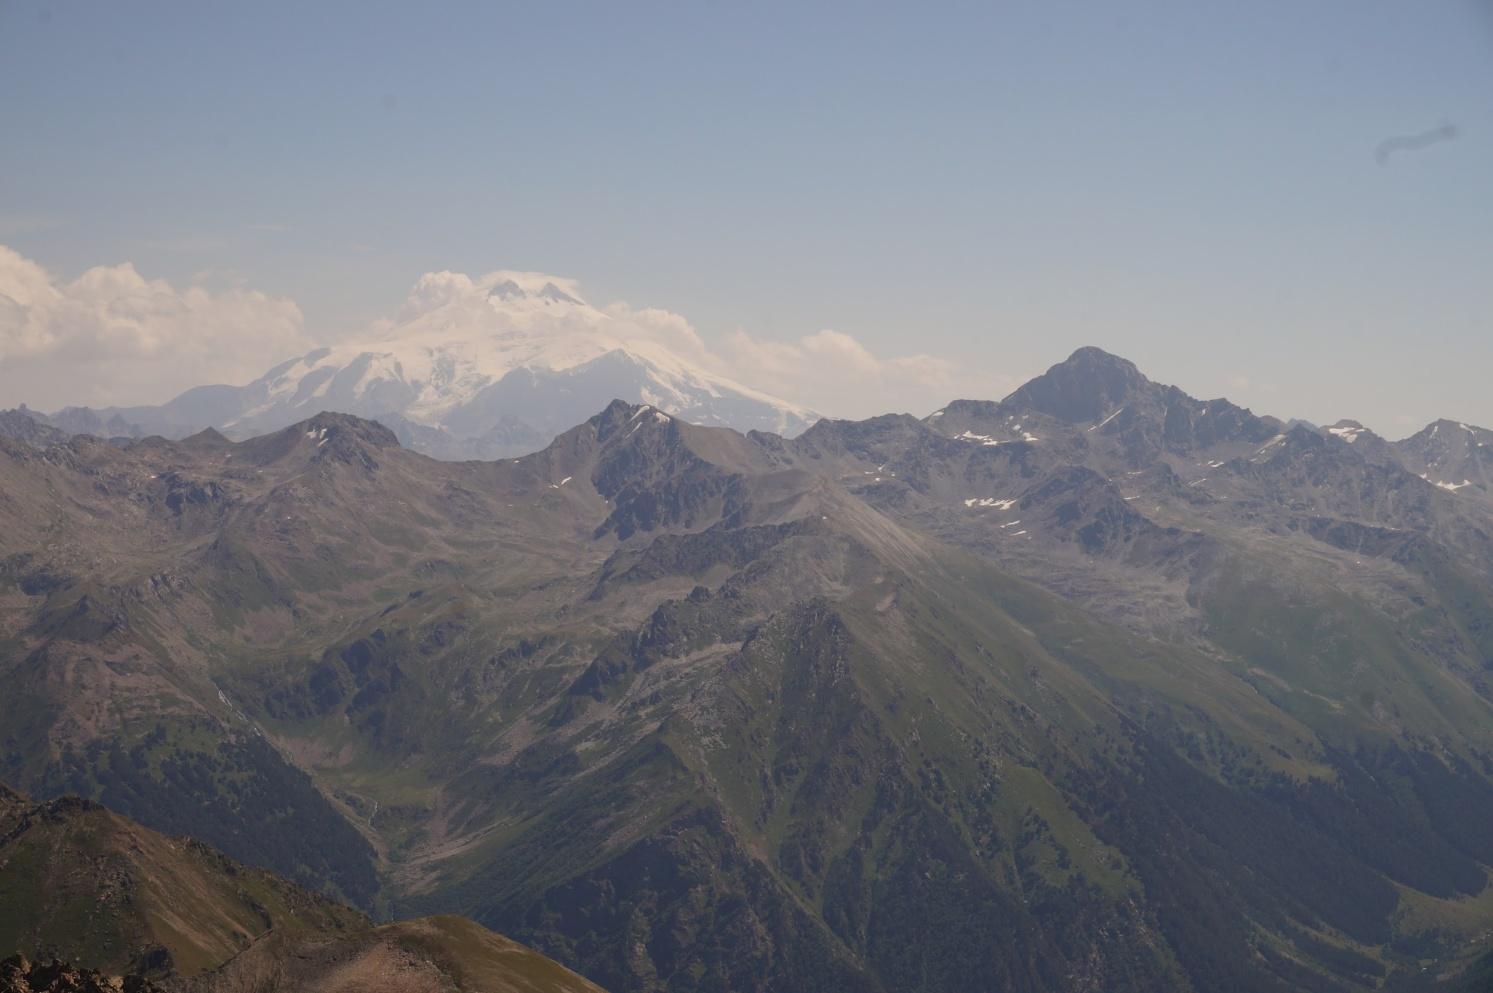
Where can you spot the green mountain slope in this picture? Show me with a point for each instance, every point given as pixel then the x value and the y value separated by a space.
pixel 83 884
pixel 79 882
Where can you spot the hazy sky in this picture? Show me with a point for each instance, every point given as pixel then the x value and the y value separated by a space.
pixel 1192 185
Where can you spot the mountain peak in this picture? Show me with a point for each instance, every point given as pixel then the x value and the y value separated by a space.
pixel 1094 355
pixel 1445 432
pixel 1447 424
pixel 207 437
pixel 521 286
pixel 329 426
pixel 342 436
pixel 620 415
pixel 1086 386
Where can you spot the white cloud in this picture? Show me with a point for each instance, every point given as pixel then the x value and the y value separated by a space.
pixel 835 373
pixel 665 327
pixel 111 336
pixel 829 371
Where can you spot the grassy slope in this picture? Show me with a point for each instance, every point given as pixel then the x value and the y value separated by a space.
pixel 90 886
pixel 433 953
pixel 82 883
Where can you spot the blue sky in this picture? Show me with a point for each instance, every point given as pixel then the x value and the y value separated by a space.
pixel 1191 185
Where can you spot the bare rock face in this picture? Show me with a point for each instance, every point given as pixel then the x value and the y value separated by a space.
pixel 29 428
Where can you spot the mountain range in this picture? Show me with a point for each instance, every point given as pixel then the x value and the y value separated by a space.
pixel 481 368
pixel 1096 687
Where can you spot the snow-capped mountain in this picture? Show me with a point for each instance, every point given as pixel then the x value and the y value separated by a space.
pixel 1452 455
pixel 487 367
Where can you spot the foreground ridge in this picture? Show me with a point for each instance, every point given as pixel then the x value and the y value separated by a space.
pixel 82 884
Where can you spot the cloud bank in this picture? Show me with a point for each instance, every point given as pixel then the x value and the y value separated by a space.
pixel 836 374
pixel 829 371
pixel 112 336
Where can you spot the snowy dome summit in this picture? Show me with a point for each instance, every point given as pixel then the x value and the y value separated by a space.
pixel 498 365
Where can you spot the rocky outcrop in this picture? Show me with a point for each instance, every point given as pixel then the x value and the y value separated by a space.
pixel 20 975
